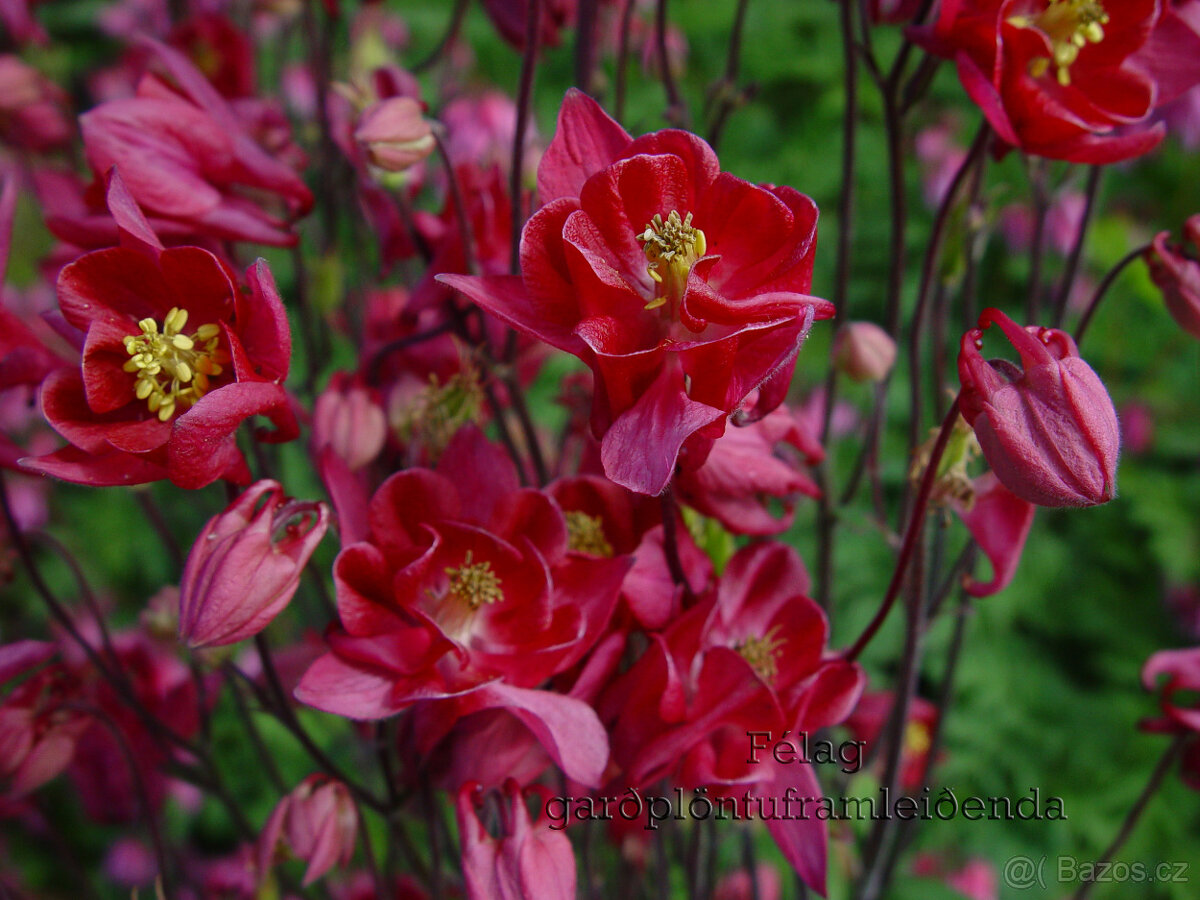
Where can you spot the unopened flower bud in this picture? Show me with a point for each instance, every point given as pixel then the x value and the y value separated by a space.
pixel 864 351
pixel 1178 277
pixel 246 565
pixel 347 418
pixel 395 133
pixel 1047 428
pixel 316 822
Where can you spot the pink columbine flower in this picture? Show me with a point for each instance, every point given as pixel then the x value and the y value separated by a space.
pixel 317 822
pixel 246 565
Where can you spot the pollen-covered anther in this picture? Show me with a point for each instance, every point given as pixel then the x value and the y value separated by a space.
pixel 1070 26
pixel 760 653
pixel 585 534
pixel 672 246
pixel 475 583
pixel 173 369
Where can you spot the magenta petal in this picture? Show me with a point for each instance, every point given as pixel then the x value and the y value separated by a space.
pixel 1171 56
pixel 1000 522
pixel 134 230
pixel 21 656
pixel 335 687
pixel 586 141
pixel 505 296
pixel 569 729
pixel 803 840
pixel 640 448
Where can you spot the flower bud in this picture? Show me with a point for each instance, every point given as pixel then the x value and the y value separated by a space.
pixel 246 565
pixel 347 418
pixel 395 133
pixel 864 351
pixel 316 822
pixel 1178 277
pixel 531 859
pixel 1047 428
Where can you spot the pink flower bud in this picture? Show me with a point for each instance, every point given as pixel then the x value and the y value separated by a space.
pixel 1178 277
pixel 1047 428
pixel 531 859
pixel 347 418
pixel 864 351
pixel 246 565
pixel 395 133
pixel 316 822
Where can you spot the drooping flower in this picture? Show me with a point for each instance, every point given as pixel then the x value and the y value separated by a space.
pixel 317 822
pixel 528 859
pixel 38 733
pixel 999 521
pixel 1048 428
pixel 1178 276
pixel 395 133
pixel 1069 79
pixel 245 566
pixel 175 358
pixel 863 351
pixel 750 466
pixel 683 288
pixel 1177 697
pixel 188 158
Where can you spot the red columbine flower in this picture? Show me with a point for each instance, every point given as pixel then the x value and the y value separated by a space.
pixel 682 287
pixel 1065 78
pixel 1049 431
pixel 175 357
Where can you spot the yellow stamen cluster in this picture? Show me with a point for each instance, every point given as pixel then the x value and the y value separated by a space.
pixel 173 369
pixel 672 246
pixel 917 739
pixel 585 534
pixel 475 583
pixel 440 410
pixel 1070 25
pixel 760 653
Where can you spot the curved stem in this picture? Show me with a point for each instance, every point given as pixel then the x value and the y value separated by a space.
pixel 623 59
pixel 533 13
pixel 1156 779
pixel 456 20
pixel 670 540
pixel 911 535
pixel 676 111
pixel 1063 294
pixel 1102 289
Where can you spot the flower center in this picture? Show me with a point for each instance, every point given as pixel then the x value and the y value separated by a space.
pixel 1070 25
pixel 760 653
pixel 916 739
pixel 475 583
pixel 672 247
pixel 173 369
pixel 585 534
